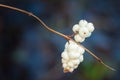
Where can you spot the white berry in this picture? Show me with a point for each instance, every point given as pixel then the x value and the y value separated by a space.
pixel 73 55
pixel 90 27
pixel 70 64
pixel 75 28
pixel 78 38
pixel 76 61
pixel 81 58
pixel 80 50
pixel 64 65
pixel 65 55
pixel 83 32
pixel 82 23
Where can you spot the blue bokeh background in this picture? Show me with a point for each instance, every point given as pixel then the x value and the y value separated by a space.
pixel 30 52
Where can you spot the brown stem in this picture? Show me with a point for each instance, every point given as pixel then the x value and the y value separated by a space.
pixel 98 59
pixel 56 32
pixel 72 35
pixel 38 19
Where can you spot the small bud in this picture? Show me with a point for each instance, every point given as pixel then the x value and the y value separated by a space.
pixel 68 69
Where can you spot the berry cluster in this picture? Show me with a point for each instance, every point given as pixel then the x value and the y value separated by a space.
pixel 73 53
pixel 72 56
pixel 82 30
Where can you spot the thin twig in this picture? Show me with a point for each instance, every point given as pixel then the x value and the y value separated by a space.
pixel 56 32
pixel 72 35
pixel 38 19
pixel 97 58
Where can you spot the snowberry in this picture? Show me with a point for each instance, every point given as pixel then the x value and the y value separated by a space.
pixel 90 27
pixel 73 53
pixel 81 58
pixel 80 50
pixel 83 32
pixel 71 56
pixel 75 28
pixel 64 61
pixel 64 65
pixel 83 29
pixel 75 61
pixel 82 23
pixel 70 64
pixel 72 47
pixel 65 55
pixel 78 38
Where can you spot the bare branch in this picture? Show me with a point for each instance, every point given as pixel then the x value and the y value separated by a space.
pixel 98 59
pixel 56 32
pixel 38 19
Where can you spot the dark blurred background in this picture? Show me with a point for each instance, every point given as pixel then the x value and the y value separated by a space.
pixel 30 52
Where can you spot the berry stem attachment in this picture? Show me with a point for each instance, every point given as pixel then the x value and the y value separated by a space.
pixel 72 35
